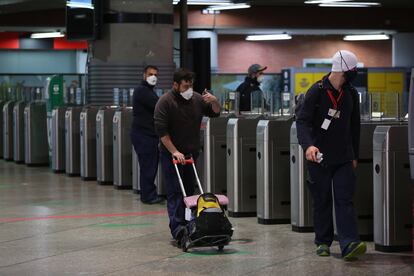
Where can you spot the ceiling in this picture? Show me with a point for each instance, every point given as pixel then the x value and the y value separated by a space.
pixel 48 15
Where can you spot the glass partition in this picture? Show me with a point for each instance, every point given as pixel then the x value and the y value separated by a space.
pixel 30 87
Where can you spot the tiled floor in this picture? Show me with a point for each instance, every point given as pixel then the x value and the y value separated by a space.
pixel 55 225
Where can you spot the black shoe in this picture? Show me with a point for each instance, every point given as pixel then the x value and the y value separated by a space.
pixel 179 235
pixel 156 200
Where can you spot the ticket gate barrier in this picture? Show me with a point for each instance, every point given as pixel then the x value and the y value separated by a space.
pixel 272 170
pixel 72 140
pixel 122 147
pixel 18 132
pixel 35 128
pixel 8 140
pixel 215 173
pixel 104 146
pixel 241 165
pixel 1 128
pixel 392 189
pixel 88 143
pixel 300 198
pixel 58 139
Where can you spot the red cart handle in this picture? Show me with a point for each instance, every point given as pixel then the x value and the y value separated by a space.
pixel 187 161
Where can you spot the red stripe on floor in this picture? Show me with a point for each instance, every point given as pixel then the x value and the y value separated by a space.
pixel 84 216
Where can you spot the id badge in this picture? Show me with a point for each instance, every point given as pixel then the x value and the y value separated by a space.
pixel 337 114
pixel 331 112
pixel 325 124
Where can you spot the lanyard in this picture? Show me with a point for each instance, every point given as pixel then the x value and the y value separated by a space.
pixel 333 100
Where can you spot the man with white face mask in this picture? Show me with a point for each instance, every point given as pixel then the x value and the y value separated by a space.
pixel 143 135
pixel 251 84
pixel 178 116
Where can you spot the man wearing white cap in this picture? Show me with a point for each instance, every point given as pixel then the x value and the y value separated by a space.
pixel 328 128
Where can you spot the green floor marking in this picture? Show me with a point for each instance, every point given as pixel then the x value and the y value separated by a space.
pixel 53 203
pixel 115 225
pixel 6 186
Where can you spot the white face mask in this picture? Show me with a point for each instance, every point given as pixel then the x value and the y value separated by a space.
pixel 260 79
pixel 152 80
pixel 187 94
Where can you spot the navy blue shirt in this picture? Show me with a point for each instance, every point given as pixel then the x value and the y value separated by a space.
pixel 144 101
pixel 340 142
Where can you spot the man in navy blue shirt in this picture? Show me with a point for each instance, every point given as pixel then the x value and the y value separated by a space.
pixel 143 135
pixel 328 127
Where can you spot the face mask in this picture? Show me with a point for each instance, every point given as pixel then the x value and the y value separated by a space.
pixel 350 75
pixel 152 80
pixel 260 79
pixel 187 94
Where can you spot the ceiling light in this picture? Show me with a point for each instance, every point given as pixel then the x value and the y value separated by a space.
pixel 350 4
pixel 79 4
pixel 47 35
pixel 324 1
pixel 229 7
pixel 205 2
pixel 268 37
pixel 366 37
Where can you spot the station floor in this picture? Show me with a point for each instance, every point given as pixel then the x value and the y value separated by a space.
pixel 56 225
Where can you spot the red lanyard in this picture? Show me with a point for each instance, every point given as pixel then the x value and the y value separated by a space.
pixel 333 100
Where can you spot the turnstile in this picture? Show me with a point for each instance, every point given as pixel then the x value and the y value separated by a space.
pixel 8 130
pixel 272 170
pixel 122 148
pixel 35 128
pixel 215 173
pixel 241 166
pixel 392 189
pixel 18 132
pixel 58 139
pixel 1 128
pixel 104 146
pixel 72 141
pixel 88 143
pixel 301 214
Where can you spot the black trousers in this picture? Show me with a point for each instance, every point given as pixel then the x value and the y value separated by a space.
pixel 175 203
pixel 146 147
pixel 339 181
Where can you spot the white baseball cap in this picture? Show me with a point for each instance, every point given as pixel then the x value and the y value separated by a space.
pixel 343 61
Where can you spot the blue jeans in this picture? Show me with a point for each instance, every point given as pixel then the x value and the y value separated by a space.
pixel 175 204
pixel 146 147
pixel 341 180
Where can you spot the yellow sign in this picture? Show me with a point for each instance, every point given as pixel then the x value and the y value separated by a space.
pixel 304 81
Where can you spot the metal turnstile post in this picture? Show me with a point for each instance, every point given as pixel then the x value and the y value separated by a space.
pixel 392 189
pixel 272 167
pixel 215 173
pixel 72 141
pixel 104 146
pixel 1 128
pixel 122 148
pixel 300 197
pixel 8 130
pixel 241 166
pixel 18 132
pixel 35 128
pixel 58 139
pixel 88 143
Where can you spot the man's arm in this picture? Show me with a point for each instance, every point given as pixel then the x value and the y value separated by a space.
pixel 304 123
pixel 355 125
pixel 212 106
pixel 161 115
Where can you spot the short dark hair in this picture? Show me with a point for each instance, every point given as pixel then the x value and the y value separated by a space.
pixel 150 67
pixel 183 74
